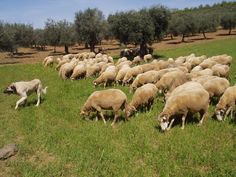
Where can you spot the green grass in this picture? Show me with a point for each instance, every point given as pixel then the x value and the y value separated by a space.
pixel 55 141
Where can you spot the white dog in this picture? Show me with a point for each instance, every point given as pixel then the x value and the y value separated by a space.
pixel 24 89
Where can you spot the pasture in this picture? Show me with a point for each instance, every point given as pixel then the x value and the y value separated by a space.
pixel 54 140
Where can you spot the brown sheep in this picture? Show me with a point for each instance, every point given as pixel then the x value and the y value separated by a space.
pixel 131 73
pixel 143 98
pixel 171 80
pixel 220 70
pixel 108 99
pixel 108 76
pixel 92 70
pixel 121 73
pixel 78 71
pixel 147 67
pixel 226 104
pixel 145 78
pixel 189 97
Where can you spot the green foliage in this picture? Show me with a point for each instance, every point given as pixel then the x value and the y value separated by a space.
pixel 54 140
pixel 89 25
pixel 228 21
pixel 160 17
pixel 14 35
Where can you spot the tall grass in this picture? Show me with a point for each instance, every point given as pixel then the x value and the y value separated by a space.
pixel 54 140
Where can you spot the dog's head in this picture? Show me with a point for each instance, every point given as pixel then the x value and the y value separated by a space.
pixel 11 89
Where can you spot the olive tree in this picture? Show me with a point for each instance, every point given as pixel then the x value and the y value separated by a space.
pixel 89 26
pixel 228 21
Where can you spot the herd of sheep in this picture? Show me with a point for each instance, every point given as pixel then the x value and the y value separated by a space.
pixel 188 84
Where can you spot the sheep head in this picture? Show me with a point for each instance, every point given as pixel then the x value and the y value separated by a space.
pixel 164 121
pixel 129 110
pixel 220 113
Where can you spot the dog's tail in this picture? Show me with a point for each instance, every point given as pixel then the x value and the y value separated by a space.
pixel 44 90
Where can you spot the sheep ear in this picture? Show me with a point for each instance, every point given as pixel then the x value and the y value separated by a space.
pixel 13 88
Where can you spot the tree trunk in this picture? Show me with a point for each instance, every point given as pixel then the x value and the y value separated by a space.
pixel 66 49
pixel 54 49
pixel 230 29
pixel 92 47
pixel 143 49
pixel 171 36
pixel 204 35
pixel 86 45
pixel 183 38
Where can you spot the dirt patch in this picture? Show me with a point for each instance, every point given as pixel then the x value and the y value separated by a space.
pixel 42 159
pixel 111 47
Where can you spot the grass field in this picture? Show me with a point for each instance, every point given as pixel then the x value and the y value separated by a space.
pixel 55 141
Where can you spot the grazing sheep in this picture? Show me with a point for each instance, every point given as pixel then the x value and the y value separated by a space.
pixel 137 60
pixel 147 58
pixel 121 73
pixel 220 70
pixel 180 60
pixel 208 63
pixel 92 70
pixel 119 66
pixel 78 71
pixel 171 80
pixel 67 69
pixel 108 76
pixel 144 78
pixel 62 62
pixel 104 67
pixel 226 104
pixel 147 67
pixel 108 99
pixel 143 98
pixel 131 73
pixel 161 64
pixel 189 97
pixel 121 60
pixel 206 72
pixel 216 86
pixel 222 59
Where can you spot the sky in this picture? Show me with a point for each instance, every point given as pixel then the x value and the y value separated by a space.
pixel 36 12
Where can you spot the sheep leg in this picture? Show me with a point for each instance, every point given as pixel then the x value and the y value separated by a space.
pixel 115 117
pixel 204 114
pixel 170 125
pixel 103 117
pixel 24 98
pixel 227 112
pixel 183 120
pixel 39 97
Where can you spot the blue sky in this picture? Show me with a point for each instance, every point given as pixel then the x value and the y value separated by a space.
pixel 36 12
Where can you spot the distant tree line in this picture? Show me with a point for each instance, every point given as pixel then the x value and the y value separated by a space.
pixel 141 28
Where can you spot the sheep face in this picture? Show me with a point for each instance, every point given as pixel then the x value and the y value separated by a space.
pixel 130 110
pixel 164 122
pixel 11 89
pixel 220 114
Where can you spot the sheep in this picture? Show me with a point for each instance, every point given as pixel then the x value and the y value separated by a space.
pixel 226 103
pixel 189 97
pixel 104 67
pixel 92 70
pixel 121 60
pixel 67 69
pixel 119 66
pixel 196 69
pixel 131 73
pixel 161 64
pixel 203 72
pixel 62 62
pixel 216 86
pixel 147 57
pixel 180 60
pixel 143 98
pixel 79 71
pixel 171 80
pixel 147 67
pixel 208 63
pixel 196 60
pixel 144 78
pixel 68 56
pixel 222 59
pixel 137 60
pixel 121 73
pixel 113 99
pixel 49 61
pixel 221 70
pixel 108 76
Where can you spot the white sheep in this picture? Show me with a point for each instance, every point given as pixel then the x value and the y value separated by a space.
pixel 189 97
